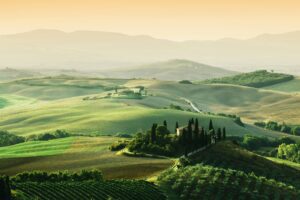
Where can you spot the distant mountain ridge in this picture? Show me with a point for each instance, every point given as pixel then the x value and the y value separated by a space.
pixel 95 49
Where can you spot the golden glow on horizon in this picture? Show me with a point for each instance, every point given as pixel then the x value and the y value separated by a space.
pixel 171 19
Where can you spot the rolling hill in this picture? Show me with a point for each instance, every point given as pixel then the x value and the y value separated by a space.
pixel 257 79
pixel 95 50
pixel 64 108
pixel 170 70
pixel 8 74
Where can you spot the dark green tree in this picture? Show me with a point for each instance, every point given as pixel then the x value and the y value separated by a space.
pixel 5 193
pixel 202 138
pixel 224 133
pixel 165 123
pixel 192 121
pixel 153 134
pixel 211 126
pixel 185 141
pixel 219 134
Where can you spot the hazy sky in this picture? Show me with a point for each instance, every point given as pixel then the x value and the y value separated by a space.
pixel 170 19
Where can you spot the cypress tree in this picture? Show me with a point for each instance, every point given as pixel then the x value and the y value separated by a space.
pixel 224 133
pixel 211 126
pixel 202 138
pixel 185 141
pixel 5 193
pixel 219 134
pixel 153 133
pixel 192 121
pixel 190 133
pixel 165 123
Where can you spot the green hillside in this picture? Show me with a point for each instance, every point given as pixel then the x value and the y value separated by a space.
pixel 75 153
pixel 289 86
pixel 256 79
pixel 237 158
pixel 58 87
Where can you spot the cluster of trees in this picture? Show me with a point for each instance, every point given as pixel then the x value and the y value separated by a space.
pixel 5 193
pixel 49 136
pixel 7 139
pixel 158 140
pixel 251 142
pixel 289 152
pixel 39 176
pixel 256 79
pixel 282 127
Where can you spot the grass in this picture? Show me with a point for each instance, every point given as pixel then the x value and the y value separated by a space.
pixel 285 162
pixel 289 86
pixel 76 153
pixel 36 148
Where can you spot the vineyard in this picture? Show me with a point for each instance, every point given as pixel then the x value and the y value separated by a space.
pixel 206 182
pixel 89 190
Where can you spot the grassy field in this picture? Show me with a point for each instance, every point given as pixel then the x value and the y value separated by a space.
pixel 290 86
pixel 76 153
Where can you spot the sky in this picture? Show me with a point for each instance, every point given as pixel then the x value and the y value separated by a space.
pixel 166 19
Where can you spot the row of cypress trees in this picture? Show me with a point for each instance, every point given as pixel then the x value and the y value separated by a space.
pixel 192 138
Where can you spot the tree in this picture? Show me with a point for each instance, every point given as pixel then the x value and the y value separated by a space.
pixel 190 133
pixel 153 134
pixel 165 123
pixel 219 134
pixel 224 133
pixel 162 131
pixel 192 121
pixel 5 193
pixel 211 126
pixel 202 138
pixel 296 130
pixel 185 141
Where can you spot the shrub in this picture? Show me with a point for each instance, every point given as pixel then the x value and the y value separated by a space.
pixel 185 82
pixel 119 145
pixel 296 130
